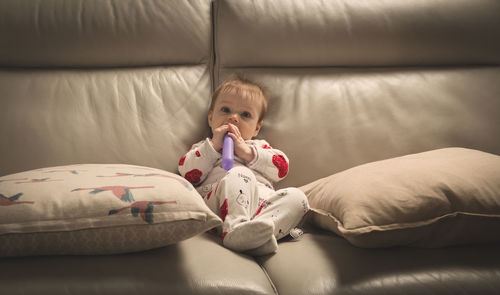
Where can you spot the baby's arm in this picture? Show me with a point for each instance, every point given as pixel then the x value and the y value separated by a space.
pixel 271 163
pixel 198 162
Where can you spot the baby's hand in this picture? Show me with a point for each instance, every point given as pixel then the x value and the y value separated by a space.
pixel 218 137
pixel 241 148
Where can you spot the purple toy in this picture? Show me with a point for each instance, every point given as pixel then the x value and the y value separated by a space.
pixel 227 152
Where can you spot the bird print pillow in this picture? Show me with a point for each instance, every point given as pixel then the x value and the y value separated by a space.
pixel 97 209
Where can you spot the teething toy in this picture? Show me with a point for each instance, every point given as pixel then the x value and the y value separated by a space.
pixel 227 152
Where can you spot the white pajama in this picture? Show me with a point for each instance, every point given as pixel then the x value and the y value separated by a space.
pixel 239 197
pixel 243 197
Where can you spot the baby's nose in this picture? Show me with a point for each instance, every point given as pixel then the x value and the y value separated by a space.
pixel 233 118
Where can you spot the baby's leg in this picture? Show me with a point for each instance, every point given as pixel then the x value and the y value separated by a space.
pixel 285 207
pixel 235 199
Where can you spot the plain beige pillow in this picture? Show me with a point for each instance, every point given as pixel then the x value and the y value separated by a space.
pixel 432 199
pixel 97 209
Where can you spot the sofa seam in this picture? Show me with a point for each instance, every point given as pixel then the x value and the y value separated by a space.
pixel 213 54
pixel 275 290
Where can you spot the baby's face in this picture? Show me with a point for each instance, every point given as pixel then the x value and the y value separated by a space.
pixel 242 111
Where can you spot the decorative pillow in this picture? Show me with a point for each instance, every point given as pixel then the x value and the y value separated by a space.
pixel 432 199
pixel 97 209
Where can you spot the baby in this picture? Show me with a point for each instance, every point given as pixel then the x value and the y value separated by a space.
pixel 254 215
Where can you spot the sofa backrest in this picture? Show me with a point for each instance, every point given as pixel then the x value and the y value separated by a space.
pixel 118 81
pixel 360 81
pixel 129 81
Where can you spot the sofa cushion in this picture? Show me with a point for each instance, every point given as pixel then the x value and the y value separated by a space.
pixel 112 33
pixel 143 116
pixel 431 199
pixel 331 119
pixel 323 263
pixel 199 265
pixel 97 209
pixel 298 33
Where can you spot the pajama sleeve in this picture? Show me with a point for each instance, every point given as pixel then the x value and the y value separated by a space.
pixel 198 162
pixel 271 163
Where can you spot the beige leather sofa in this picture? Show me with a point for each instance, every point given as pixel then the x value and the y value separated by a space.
pixel 129 81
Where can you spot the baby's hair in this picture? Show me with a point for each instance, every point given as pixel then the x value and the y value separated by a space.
pixel 241 86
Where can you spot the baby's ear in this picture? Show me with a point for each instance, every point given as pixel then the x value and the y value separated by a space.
pixel 257 129
pixel 209 117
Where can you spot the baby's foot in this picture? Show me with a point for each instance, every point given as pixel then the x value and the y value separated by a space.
pixel 249 235
pixel 268 247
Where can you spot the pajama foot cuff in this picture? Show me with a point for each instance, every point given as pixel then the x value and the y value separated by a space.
pixel 249 235
pixel 269 247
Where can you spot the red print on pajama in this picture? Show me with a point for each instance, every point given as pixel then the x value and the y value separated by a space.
pixel 193 176
pixel 223 210
pixel 280 163
pixel 181 161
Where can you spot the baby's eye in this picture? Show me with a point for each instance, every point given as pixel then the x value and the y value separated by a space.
pixel 225 110
pixel 246 115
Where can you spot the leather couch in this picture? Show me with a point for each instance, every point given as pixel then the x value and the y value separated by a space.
pixel 129 81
